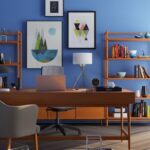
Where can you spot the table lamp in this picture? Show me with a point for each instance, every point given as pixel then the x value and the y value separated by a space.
pixel 82 59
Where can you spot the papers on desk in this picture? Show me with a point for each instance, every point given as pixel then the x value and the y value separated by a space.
pixel 80 90
pixel 4 89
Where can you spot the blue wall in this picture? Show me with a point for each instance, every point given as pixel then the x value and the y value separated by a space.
pixel 111 15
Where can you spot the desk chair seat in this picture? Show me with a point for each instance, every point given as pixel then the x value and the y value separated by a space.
pixel 58 125
pixel 18 121
pixel 58 70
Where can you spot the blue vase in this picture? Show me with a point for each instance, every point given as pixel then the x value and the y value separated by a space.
pixel 147 35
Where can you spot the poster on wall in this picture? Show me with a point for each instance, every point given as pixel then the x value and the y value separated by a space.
pixel 44 43
pixel 54 7
pixel 81 29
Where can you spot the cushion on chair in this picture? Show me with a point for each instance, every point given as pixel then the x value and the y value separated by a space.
pixel 59 108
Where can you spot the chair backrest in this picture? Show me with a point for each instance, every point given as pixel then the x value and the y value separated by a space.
pixel 52 70
pixel 17 121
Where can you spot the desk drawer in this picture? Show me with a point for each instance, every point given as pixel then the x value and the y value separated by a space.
pixel 90 113
pixel 78 113
pixel 70 114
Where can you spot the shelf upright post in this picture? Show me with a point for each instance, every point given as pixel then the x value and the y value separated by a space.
pixel 106 71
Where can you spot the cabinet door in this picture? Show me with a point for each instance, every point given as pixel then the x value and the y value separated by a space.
pixel 42 113
pixel 70 114
pixel 90 113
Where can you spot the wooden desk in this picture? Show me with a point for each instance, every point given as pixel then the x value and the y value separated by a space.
pixel 75 98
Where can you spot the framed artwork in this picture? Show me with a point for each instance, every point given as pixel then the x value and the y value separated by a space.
pixel 54 7
pixel 44 43
pixel 82 29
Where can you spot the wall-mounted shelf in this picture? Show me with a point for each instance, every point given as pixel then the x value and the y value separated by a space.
pixel 118 37
pixel 128 77
pixel 14 38
pixel 129 59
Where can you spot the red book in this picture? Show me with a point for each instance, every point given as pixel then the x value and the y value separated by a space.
pixel 116 50
pixel 122 51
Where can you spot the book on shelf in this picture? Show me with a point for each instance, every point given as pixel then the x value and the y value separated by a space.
pixel 118 115
pixel 140 109
pixel 148 111
pixel 140 72
pixel 118 110
pixel 119 51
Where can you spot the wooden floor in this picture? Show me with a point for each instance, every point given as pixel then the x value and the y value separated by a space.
pixel 140 139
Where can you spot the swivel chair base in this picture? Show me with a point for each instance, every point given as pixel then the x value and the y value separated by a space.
pixel 60 127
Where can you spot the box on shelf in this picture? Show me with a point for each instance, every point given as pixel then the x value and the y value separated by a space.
pixel 118 115
pixel 118 110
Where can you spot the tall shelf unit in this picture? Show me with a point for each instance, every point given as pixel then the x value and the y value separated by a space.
pixel 112 37
pixel 13 38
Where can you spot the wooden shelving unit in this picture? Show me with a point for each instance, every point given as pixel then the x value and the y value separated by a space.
pixel 122 37
pixel 14 38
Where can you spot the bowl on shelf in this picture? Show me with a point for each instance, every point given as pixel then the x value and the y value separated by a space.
pixel 121 74
pixel 133 53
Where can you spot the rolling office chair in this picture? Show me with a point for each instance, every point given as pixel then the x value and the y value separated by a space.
pixel 57 70
pixel 18 121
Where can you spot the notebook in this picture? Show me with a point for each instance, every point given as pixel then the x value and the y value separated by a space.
pixel 51 83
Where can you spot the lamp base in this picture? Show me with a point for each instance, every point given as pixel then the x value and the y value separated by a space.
pixel 82 73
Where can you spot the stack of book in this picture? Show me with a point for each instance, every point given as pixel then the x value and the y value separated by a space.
pixel 140 72
pixel 140 109
pixel 117 113
pixel 119 51
pixel 148 111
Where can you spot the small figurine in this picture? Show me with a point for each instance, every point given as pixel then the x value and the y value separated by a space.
pixel 141 35
pixel 147 35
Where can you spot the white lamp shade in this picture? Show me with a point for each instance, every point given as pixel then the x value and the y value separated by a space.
pixel 82 58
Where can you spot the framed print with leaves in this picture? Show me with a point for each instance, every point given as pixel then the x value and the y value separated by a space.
pixel 44 43
pixel 54 7
pixel 82 29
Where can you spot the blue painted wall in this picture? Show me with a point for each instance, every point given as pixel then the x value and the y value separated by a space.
pixel 115 15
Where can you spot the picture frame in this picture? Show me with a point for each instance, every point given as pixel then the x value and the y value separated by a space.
pixel 81 29
pixel 54 8
pixel 44 43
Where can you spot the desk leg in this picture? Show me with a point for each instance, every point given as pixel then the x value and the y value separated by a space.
pixel 129 128
pixel 121 122
pixel 106 116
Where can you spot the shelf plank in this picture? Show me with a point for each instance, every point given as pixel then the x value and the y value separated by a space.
pixel 9 64
pixel 113 77
pixel 10 33
pixel 144 98
pixel 130 59
pixel 129 39
pixel 132 119
pixel 125 33
pixel 8 42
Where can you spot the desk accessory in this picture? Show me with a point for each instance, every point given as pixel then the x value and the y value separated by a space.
pixel 95 82
pixel 4 89
pixel 103 88
pixel 111 84
pixel 82 59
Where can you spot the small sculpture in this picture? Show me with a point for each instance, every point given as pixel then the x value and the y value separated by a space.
pixel 147 35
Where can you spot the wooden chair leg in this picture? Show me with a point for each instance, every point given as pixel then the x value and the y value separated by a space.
pixel 9 144
pixel 36 141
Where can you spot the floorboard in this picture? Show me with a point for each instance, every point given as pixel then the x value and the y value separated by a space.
pixel 140 139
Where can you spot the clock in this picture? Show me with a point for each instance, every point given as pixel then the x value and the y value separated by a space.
pixel 95 82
